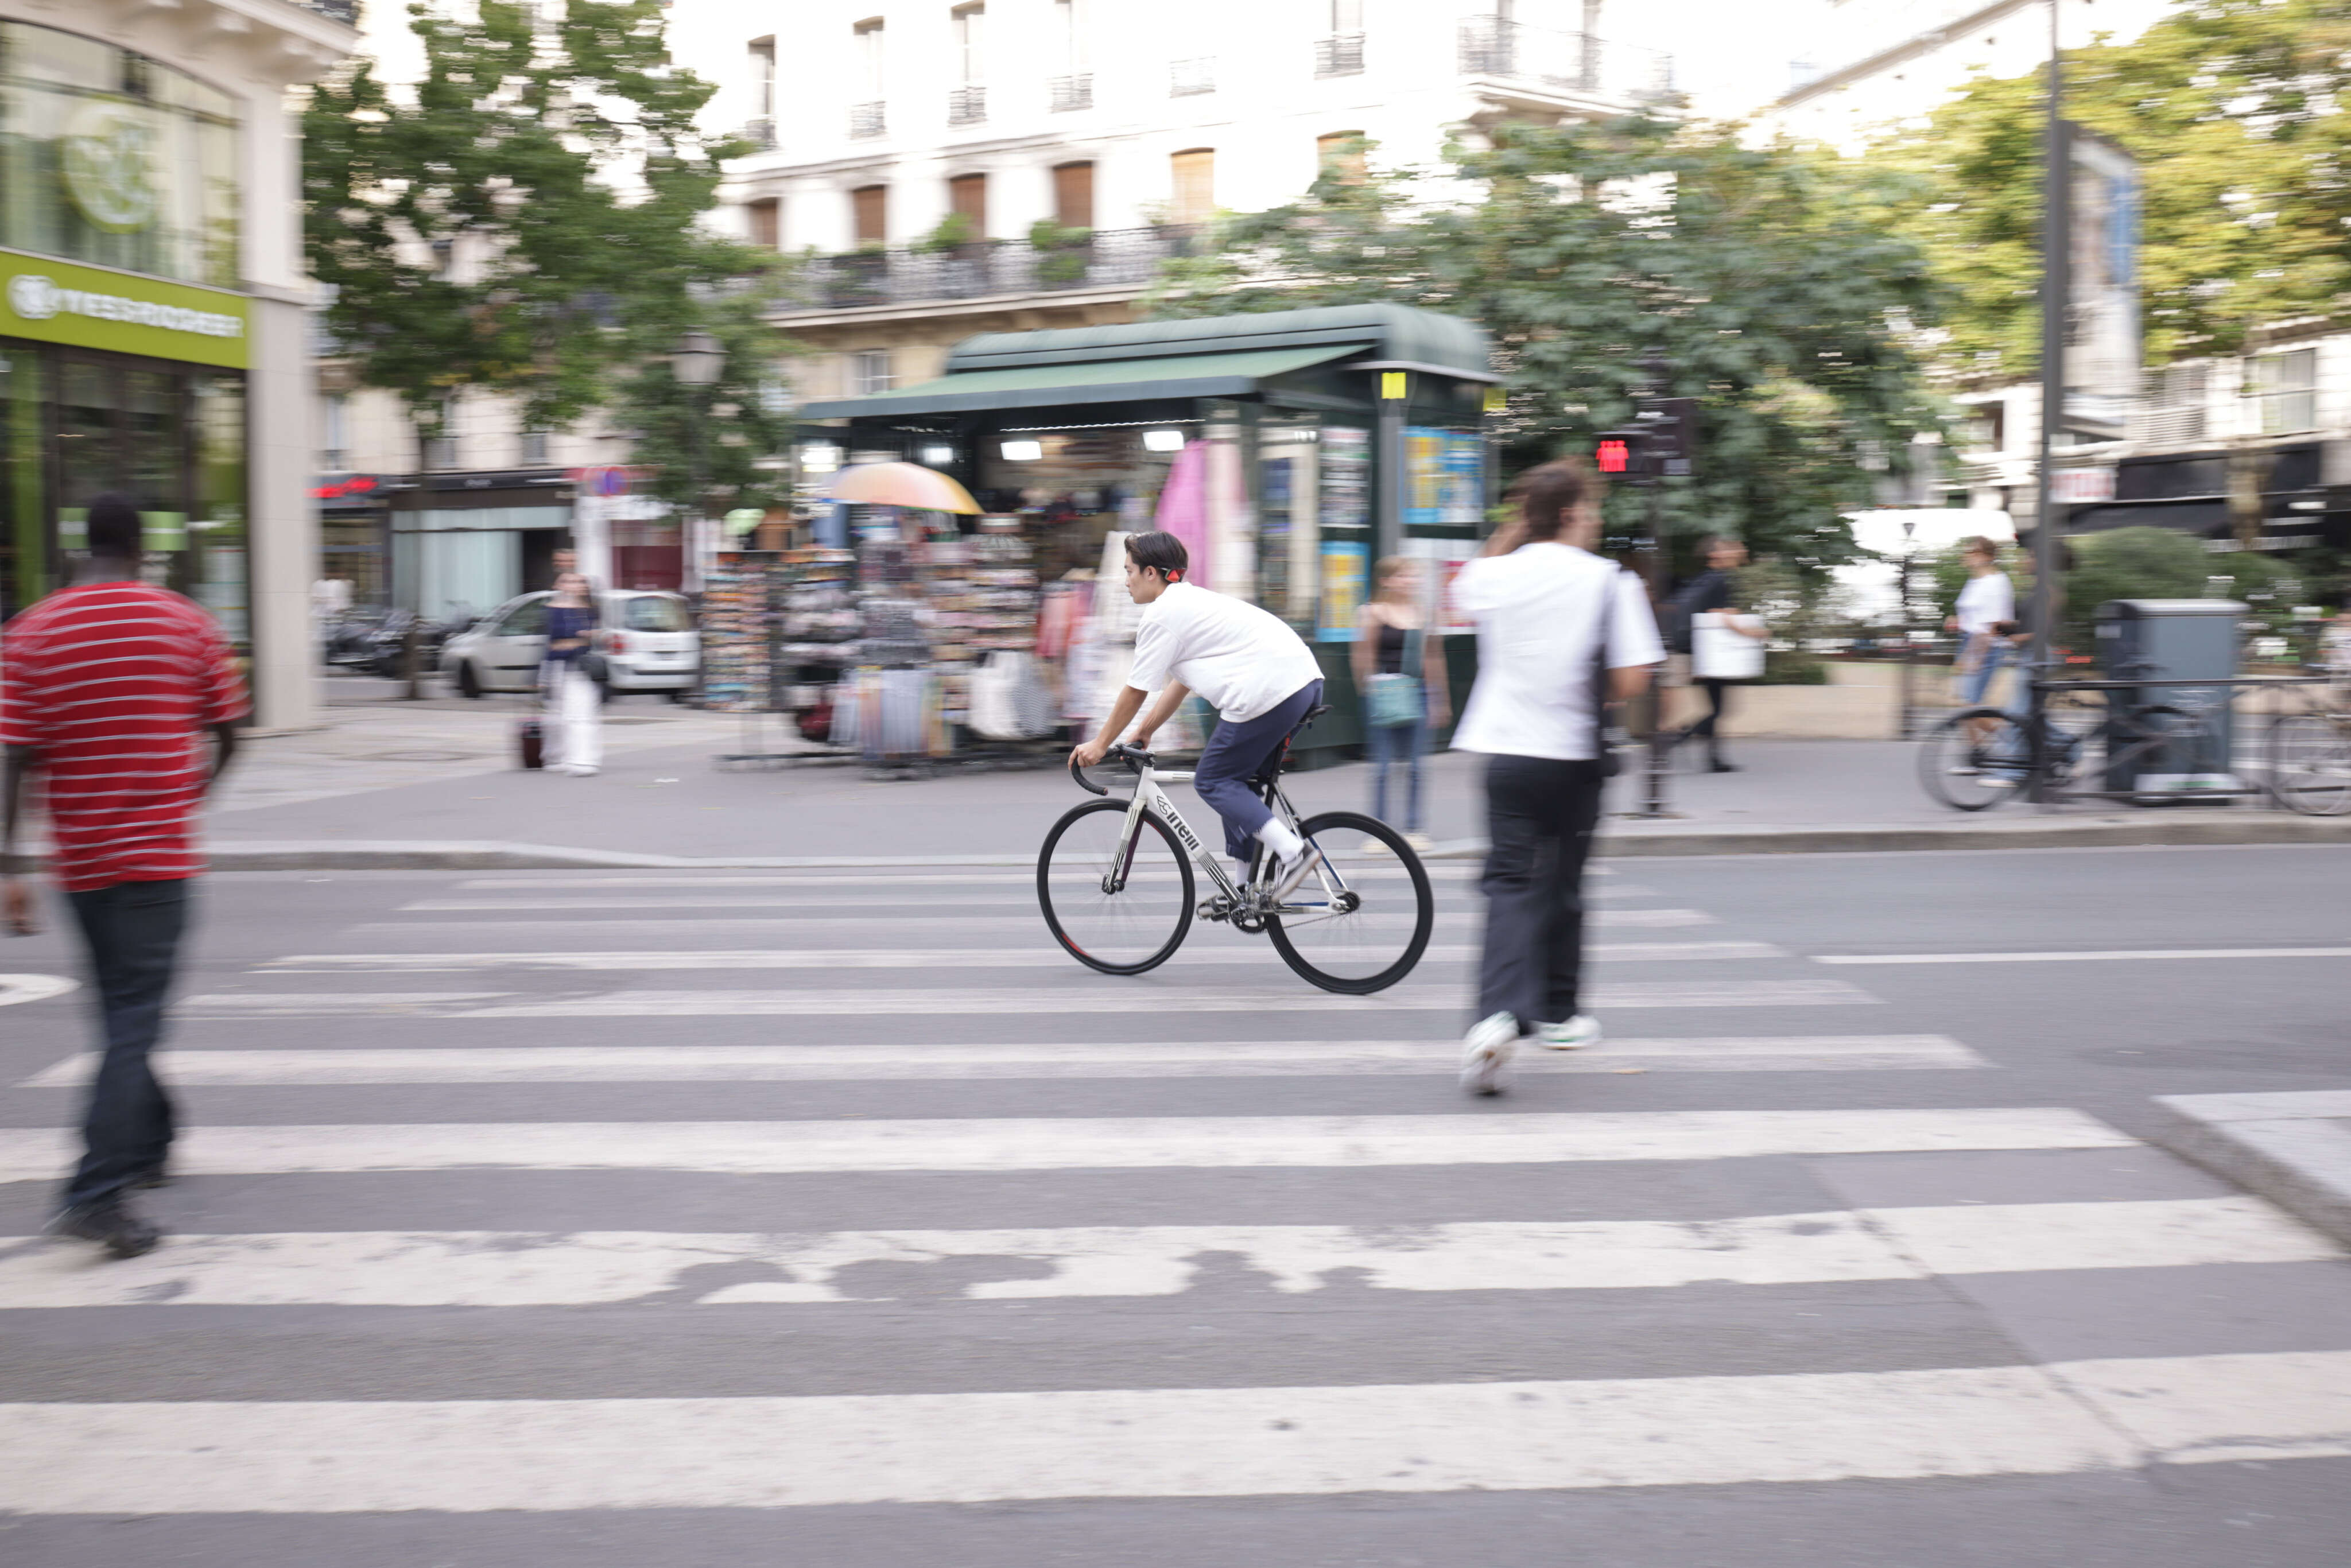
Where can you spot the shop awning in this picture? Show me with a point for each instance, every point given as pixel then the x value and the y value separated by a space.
pixel 1099 381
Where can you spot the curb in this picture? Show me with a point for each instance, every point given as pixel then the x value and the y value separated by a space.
pixel 362 854
pixel 2292 1148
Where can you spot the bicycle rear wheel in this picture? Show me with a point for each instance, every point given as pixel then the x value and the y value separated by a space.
pixel 1975 760
pixel 2309 765
pixel 1118 901
pixel 1362 922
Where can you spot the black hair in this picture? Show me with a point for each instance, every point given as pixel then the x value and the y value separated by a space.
pixel 111 528
pixel 1161 552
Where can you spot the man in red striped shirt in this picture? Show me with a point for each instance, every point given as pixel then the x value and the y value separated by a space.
pixel 105 688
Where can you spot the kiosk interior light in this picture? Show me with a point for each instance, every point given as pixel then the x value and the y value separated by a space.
pixel 938 456
pixel 1162 441
pixel 820 459
pixel 1023 451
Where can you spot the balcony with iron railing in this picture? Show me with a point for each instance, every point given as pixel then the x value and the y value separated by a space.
pixel 1075 90
pixel 1186 78
pixel 916 275
pixel 1340 54
pixel 1578 64
pixel 968 106
pixel 867 119
pixel 345 11
pixel 759 133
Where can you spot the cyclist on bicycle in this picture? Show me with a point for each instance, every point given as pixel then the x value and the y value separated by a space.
pixel 1249 666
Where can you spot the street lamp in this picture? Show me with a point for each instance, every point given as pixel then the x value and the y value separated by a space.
pixel 697 360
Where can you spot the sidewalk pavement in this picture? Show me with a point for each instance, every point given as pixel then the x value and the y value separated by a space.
pixel 2293 1148
pixel 388 784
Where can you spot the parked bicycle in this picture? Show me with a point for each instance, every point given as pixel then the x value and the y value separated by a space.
pixel 2308 756
pixel 1115 882
pixel 2090 739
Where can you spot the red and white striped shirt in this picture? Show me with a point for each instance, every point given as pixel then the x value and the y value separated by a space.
pixel 111 684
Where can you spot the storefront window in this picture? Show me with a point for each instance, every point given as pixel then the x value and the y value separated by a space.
pixel 23 539
pixel 110 158
pixel 218 540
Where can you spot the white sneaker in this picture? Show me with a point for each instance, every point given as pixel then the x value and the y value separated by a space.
pixel 1487 1049
pixel 1577 1032
pixel 1372 846
pixel 1421 843
pixel 1295 872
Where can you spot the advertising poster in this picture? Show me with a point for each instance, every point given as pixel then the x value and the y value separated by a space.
pixel 2103 337
pixel 1462 490
pixel 1345 566
pixel 1441 562
pixel 1346 501
pixel 1424 476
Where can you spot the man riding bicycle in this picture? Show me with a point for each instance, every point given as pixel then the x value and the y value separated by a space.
pixel 1249 666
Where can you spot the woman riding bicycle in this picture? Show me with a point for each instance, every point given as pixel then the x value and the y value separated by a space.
pixel 1249 666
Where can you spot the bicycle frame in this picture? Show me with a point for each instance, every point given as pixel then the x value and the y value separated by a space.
pixel 1150 797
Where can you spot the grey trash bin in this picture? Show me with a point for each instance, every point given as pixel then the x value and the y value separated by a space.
pixel 2188 639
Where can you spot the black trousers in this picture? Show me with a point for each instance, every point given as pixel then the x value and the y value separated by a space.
pixel 132 931
pixel 1540 813
pixel 1716 704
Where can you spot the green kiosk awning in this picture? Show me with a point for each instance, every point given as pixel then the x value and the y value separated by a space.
pixel 1096 380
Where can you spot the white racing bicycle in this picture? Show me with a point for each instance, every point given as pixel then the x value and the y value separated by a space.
pixel 1116 882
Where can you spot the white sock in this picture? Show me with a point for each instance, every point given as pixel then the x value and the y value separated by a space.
pixel 1278 836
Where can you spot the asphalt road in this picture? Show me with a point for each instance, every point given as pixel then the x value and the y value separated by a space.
pixel 602 1218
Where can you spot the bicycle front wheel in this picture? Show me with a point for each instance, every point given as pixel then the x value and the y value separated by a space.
pixel 1975 760
pixel 1362 921
pixel 1119 901
pixel 2309 765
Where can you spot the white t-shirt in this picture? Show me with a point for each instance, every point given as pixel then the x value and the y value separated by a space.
pixel 1538 616
pixel 1243 661
pixel 1984 601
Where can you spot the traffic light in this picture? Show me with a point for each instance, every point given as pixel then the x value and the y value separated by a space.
pixel 1621 453
pixel 1670 425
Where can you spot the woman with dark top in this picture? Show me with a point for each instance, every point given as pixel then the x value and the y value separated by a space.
pixel 1710 592
pixel 1384 628
pixel 575 737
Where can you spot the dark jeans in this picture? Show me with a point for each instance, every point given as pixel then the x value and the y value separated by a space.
pixel 1234 755
pixel 1540 813
pixel 1716 704
pixel 132 930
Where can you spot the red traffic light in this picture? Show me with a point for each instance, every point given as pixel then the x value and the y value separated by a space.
pixel 1613 456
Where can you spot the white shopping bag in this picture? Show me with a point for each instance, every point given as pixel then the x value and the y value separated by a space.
pixel 1719 654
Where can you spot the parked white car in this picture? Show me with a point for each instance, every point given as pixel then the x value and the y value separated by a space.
pixel 648 642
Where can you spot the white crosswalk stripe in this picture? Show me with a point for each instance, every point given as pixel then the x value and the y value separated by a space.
pixel 502 1269
pixel 1122 1059
pixel 1138 1168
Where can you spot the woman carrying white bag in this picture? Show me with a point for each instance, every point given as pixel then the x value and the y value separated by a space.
pixel 1726 644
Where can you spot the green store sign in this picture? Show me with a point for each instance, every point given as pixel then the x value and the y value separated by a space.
pixel 59 302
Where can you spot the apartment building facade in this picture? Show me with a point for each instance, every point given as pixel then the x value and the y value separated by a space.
pixel 962 166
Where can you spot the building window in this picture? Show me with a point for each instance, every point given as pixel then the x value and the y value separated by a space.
pixel 865 117
pixel 2174 404
pixel 1194 184
pixel 1340 52
pixel 869 213
pixel 2287 386
pixel 1074 87
pixel 1987 427
pixel 967 199
pixel 1186 78
pixel 760 131
pixel 533 449
pixel 1340 156
pixel 1073 195
pixel 870 371
pixel 335 454
pixel 441 449
pixel 766 215
pixel 968 103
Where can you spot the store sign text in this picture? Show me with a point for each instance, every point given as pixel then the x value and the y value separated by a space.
pixel 37 299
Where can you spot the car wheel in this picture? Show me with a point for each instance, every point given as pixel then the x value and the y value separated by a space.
pixel 469 685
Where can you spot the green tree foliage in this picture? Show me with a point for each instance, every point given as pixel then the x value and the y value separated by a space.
pixel 524 219
pixel 2235 111
pixel 1757 274
pixel 2163 563
pixel 726 432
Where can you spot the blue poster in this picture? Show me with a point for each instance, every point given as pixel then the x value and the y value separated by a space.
pixel 1346 565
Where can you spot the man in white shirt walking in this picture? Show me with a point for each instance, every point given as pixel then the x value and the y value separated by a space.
pixel 1248 664
pixel 1561 633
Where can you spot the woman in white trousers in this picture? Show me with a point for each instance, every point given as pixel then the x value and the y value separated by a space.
pixel 575 736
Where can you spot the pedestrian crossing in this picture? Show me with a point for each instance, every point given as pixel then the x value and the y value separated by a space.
pixel 976 1190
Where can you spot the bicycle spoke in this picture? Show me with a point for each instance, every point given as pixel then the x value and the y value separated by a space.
pixel 1118 900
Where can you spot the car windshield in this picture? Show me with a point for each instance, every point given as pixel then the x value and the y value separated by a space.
pixel 524 620
pixel 654 613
